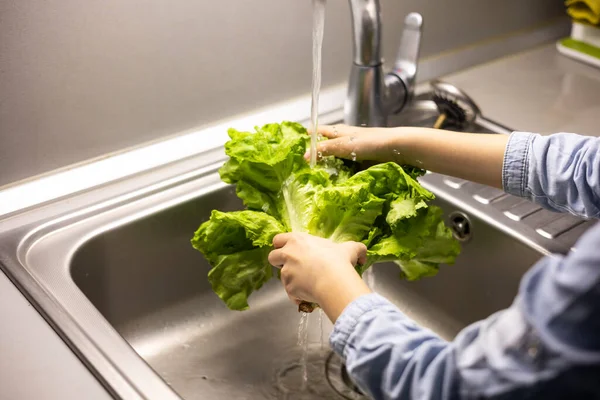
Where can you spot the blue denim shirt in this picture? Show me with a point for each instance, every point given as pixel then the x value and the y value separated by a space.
pixel 545 346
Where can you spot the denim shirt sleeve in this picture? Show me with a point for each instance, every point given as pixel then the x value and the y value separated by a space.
pixel 545 345
pixel 560 172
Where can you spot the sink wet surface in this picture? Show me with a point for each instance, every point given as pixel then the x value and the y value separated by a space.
pixel 151 285
pixel 243 355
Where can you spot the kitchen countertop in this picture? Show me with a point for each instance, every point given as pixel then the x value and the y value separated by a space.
pixel 32 360
pixel 537 90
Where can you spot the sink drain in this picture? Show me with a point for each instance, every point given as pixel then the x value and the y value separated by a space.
pixel 291 384
pixel 339 380
pixel 289 379
pixel 460 226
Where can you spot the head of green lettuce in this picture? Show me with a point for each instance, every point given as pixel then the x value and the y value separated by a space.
pixel 382 206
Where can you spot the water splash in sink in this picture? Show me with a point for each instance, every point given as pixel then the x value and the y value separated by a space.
pixel 321 333
pixel 319 386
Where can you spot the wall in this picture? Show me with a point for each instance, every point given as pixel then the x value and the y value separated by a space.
pixel 79 79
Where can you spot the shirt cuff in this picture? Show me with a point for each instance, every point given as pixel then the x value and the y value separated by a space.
pixel 515 168
pixel 347 321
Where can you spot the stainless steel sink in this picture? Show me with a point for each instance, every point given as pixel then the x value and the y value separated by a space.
pixel 151 286
pixel 114 272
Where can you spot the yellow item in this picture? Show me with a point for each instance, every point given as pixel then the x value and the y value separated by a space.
pixel 584 10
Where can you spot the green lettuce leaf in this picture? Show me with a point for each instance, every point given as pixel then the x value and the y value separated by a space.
pixel 418 245
pixel 383 206
pixel 235 276
pixel 297 202
pixel 345 213
pixel 237 245
pixel 261 162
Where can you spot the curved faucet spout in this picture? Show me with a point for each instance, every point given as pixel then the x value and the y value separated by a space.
pixel 373 95
pixel 366 32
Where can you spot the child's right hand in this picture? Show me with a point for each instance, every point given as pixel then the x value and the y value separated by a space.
pixel 318 270
pixel 359 143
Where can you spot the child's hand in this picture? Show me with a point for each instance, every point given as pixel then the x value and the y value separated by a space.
pixel 469 156
pixel 358 143
pixel 320 271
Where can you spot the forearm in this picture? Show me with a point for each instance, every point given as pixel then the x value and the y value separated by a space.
pixel 334 295
pixel 560 172
pixel 474 157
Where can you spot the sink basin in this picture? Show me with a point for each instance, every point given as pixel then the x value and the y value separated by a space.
pixel 151 286
pixel 118 279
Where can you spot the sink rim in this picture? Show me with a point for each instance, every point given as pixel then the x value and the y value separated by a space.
pixel 131 377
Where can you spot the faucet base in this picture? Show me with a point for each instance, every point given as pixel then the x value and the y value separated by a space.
pixel 366 97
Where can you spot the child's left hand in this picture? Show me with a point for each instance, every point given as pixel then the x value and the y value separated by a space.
pixel 320 271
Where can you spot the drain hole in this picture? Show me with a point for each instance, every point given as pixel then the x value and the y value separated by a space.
pixel 339 380
pixel 289 379
pixel 460 226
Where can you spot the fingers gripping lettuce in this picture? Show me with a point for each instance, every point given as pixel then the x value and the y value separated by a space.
pixel 383 206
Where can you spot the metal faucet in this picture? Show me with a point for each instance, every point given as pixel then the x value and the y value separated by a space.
pixel 372 96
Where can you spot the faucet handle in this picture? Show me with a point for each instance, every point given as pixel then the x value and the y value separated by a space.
pixel 401 81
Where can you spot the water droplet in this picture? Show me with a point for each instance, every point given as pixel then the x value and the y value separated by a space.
pixel 322 338
pixel 353 155
pixel 303 344
pixel 532 351
pixel 395 151
pixel 319 154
